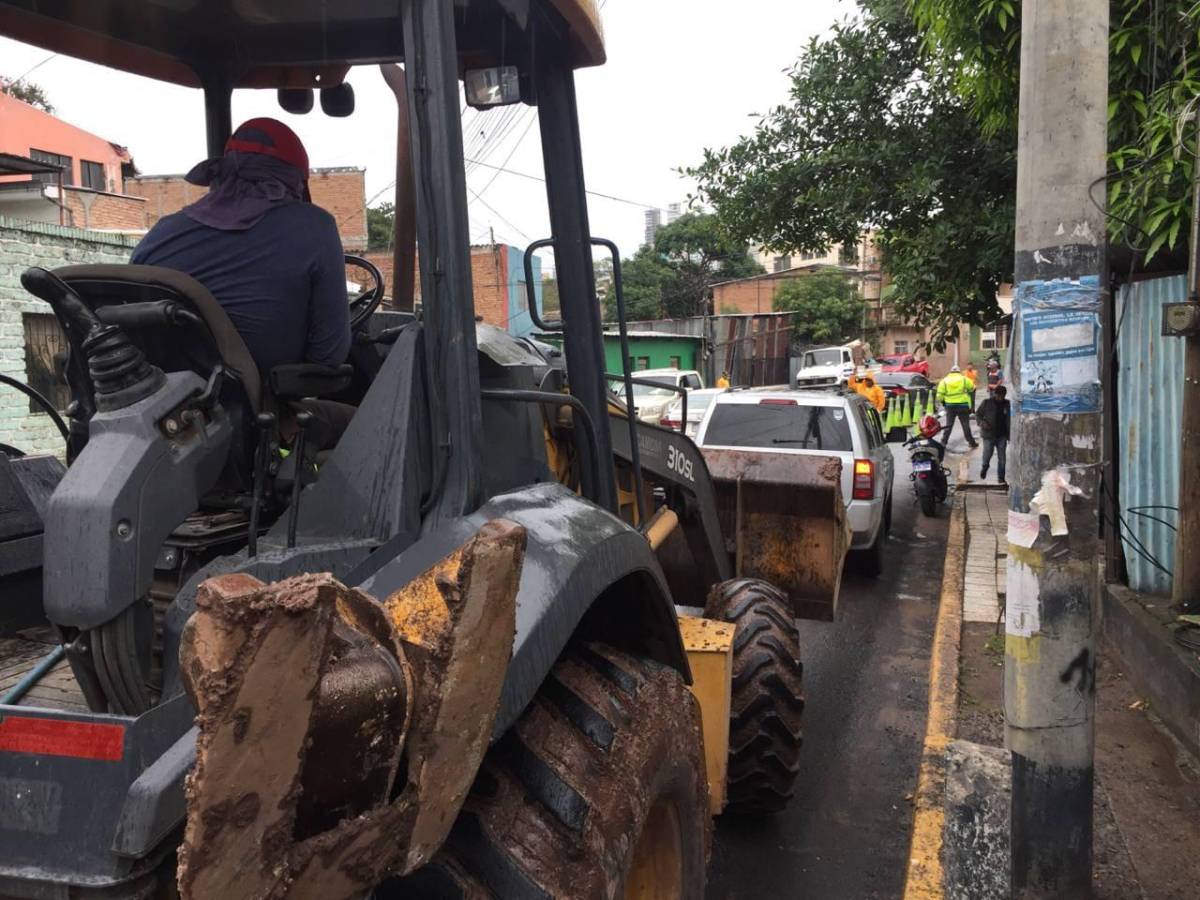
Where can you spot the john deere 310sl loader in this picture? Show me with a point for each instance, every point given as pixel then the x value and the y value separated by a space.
pixel 443 659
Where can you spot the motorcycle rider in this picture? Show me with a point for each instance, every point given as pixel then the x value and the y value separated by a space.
pixel 954 392
pixel 994 418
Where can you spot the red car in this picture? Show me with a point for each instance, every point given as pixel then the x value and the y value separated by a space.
pixel 905 362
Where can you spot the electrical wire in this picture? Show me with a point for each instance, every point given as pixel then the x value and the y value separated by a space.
pixel 493 211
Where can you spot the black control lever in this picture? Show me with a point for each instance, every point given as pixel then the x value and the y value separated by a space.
pixel 266 426
pixel 303 419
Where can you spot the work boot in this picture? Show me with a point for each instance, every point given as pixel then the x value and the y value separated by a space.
pixel 983 474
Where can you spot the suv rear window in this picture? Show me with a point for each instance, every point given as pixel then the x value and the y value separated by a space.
pixel 778 426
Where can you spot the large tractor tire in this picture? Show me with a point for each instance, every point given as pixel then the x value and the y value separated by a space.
pixel 768 701
pixel 598 791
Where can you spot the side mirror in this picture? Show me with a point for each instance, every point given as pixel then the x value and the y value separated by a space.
pixel 297 101
pixel 485 88
pixel 338 101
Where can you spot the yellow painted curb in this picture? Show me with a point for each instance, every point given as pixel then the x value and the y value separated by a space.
pixel 924 878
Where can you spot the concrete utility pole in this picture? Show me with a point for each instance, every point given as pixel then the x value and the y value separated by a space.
pixel 1186 579
pixel 1053 566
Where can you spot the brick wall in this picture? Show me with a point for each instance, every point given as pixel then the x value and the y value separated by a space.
pixel 340 191
pixel 343 194
pixel 489 277
pixel 746 297
pixel 99 211
pixel 25 244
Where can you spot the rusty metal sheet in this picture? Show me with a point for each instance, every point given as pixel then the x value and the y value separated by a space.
pixel 784 521
pixel 276 670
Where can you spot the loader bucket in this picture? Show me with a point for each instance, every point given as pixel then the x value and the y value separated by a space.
pixel 784 521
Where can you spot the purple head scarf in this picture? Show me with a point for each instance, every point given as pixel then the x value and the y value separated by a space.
pixel 243 187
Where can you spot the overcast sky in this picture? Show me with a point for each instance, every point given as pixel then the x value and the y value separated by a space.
pixel 681 75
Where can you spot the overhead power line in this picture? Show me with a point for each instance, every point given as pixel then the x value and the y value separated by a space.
pixel 638 203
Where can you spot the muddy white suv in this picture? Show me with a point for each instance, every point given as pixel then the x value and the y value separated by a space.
pixel 824 423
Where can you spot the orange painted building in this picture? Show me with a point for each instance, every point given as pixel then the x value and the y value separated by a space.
pixel 88 161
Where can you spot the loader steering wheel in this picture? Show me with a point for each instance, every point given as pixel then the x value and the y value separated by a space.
pixel 363 304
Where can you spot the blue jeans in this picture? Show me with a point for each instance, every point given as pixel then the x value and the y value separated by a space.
pixel 1000 446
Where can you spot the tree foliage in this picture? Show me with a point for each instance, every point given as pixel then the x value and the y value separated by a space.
pixel 1154 82
pixel 381 226
pixel 27 92
pixel 872 139
pixel 674 277
pixel 827 307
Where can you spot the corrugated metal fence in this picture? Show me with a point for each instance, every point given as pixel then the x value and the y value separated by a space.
pixel 1150 394
pixel 753 349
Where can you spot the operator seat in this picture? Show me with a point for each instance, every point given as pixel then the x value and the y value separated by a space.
pixel 179 326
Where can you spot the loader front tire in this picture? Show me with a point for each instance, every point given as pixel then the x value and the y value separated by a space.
pixel 768 701
pixel 597 791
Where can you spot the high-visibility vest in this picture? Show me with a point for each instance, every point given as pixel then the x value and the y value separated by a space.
pixel 955 389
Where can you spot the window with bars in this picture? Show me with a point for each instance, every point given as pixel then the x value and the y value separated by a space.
pixel 92 175
pixel 783 263
pixel 53 159
pixel 45 359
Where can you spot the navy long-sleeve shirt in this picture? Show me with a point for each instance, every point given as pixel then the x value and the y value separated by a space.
pixel 282 282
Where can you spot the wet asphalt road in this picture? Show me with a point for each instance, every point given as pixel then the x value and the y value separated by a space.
pixel 846 832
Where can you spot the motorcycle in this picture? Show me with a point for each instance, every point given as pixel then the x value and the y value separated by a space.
pixel 928 476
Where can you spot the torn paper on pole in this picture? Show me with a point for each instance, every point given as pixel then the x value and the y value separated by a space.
pixel 1021 614
pixel 1023 528
pixel 1056 487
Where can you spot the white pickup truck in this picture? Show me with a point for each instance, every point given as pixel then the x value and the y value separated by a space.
pixel 830 366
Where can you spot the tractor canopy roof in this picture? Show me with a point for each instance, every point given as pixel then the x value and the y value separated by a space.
pixel 278 43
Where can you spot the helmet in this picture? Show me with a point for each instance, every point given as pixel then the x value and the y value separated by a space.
pixel 929 426
pixel 955 369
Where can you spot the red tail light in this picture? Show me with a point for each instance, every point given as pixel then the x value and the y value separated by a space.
pixel 666 422
pixel 899 390
pixel 778 401
pixel 864 480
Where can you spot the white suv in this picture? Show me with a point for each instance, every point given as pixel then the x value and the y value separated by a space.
pixel 824 423
pixel 650 403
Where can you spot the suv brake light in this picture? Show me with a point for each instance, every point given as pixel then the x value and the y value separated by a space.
pixel 668 422
pixel 864 480
pixel 777 401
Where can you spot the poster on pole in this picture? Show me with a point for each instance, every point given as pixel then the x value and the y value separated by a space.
pixel 1059 325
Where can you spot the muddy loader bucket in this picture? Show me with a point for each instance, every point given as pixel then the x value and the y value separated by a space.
pixel 784 521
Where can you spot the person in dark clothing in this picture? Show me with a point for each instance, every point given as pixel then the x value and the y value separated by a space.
pixel 272 259
pixel 994 419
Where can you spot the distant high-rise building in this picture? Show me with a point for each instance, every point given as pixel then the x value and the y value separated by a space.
pixel 654 222
pixel 674 211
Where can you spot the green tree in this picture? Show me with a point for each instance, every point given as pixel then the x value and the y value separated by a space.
pixel 874 139
pixel 674 277
pixel 381 226
pixel 1154 83
pixel 643 278
pixel 551 306
pixel 27 92
pixel 699 254
pixel 827 307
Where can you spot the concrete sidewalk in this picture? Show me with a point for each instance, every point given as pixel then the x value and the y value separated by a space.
pixel 1147 810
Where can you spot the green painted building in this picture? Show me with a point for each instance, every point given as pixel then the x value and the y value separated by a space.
pixel 648 350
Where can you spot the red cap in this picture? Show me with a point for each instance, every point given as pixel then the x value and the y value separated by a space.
pixel 269 137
